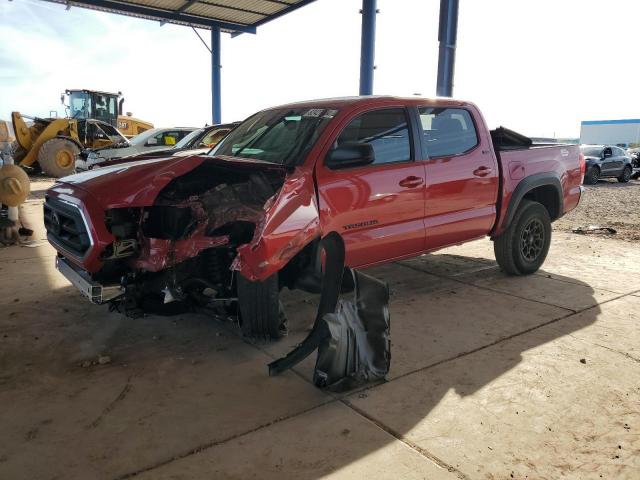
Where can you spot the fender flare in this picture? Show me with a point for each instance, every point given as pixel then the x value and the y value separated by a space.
pixel 529 183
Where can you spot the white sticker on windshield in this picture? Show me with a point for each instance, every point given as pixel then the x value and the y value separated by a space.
pixel 314 112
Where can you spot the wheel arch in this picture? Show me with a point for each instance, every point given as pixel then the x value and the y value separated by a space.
pixel 544 188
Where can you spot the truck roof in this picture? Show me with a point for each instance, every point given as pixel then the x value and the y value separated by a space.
pixel 374 99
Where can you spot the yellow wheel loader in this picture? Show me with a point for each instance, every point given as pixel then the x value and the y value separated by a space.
pixel 93 121
pixel 54 143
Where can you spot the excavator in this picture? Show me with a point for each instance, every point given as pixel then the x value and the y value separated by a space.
pixel 92 122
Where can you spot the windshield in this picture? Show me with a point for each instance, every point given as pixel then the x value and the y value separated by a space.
pixel 591 151
pixel 189 139
pixel 277 136
pixel 142 138
pixel 79 105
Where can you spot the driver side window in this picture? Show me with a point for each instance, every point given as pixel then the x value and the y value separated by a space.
pixel 385 130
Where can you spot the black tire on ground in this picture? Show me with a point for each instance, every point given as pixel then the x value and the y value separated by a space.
pixel 260 311
pixel 626 175
pixel 523 247
pixel 57 157
pixel 592 176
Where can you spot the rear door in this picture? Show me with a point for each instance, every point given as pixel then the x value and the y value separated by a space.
pixel 619 157
pixel 461 176
pixel 378 208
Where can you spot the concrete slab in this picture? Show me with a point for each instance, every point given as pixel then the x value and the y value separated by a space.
pixel 486 378
pixel 329 442
pixel 526 408
pixel 619 333
pixel 557 290
pixel 172 385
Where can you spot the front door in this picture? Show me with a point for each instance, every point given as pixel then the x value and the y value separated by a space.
pixel 461 177
pixel 377 208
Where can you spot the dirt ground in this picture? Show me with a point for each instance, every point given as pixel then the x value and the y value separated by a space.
pixel 492 378
pixel 607 204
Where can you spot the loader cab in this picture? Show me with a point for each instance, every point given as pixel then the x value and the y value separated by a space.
pixel 88 104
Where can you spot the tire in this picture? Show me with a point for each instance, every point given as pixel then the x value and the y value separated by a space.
pixel 57 157
pixel 260 311
pixel 523 247
pixel 592 176
pixel 626 175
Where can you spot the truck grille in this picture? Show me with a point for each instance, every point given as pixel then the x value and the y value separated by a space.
pixel 66 227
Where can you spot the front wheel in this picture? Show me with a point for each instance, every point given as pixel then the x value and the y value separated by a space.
pixel 523 247
pixel 57 157
pixel 592 176
pixel 626 175
pixel 259 308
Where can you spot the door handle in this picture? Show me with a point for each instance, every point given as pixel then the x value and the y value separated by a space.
pixel 411 182
pixel 482 171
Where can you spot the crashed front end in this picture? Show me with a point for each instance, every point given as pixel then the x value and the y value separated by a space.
pixel 165 237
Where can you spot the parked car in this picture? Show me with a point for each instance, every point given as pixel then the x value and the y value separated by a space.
pixel 392 178
pixel 197 142
pixel 148 141
pixel 606 161
pixel 634 153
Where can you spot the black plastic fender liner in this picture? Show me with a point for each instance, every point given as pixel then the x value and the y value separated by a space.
pixel 333 247
pixel 357 348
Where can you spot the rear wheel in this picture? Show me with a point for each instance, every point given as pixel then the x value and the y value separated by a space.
pixel 57 157
pixel 592 176
pixel 260 310
pixel 626 175
pixel 523 247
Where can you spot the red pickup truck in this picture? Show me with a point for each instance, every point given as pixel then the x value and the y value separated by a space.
pixel 393 177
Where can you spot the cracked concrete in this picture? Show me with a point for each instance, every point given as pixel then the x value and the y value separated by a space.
pixel 492 377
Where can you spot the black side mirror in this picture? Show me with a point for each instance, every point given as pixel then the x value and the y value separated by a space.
pixel 349 155
pixel 606 154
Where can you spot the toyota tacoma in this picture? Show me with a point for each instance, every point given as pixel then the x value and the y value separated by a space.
pixel 392 177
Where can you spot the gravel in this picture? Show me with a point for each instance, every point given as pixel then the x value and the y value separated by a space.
pixel 607 204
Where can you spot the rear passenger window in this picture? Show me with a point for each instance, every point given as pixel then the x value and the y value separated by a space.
pixel 386 130
pixel 447 131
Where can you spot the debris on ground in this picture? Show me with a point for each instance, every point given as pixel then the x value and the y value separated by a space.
pixel 104 359
pixel 594 229
pixel 608 203
pixel 583 361
pixel 350 334
pixel 357 348
pixel 101 360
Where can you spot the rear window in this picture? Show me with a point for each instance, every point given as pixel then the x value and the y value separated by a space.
pixel 447 131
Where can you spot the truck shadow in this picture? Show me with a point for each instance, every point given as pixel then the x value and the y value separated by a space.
pixel 174 386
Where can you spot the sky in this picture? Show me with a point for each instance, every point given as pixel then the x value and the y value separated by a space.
pixel 538 67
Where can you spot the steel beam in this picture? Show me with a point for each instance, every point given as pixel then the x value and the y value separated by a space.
pixel 447 34
pixel 216 96
pixel 367 46
pixel 162 15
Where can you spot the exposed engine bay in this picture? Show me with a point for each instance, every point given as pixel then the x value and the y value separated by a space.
pixel 179 251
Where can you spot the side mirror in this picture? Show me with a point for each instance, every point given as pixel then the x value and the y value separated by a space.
pixel 606 154
pixel 151 142
pixel 349 155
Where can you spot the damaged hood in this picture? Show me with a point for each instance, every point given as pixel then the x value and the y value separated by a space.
pixel 137 183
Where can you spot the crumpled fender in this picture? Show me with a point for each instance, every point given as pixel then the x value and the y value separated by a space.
pixel 291 221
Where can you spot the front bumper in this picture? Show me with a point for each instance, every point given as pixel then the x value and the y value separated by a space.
pixel 94 291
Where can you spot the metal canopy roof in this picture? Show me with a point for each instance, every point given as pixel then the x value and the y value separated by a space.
pixel 231 16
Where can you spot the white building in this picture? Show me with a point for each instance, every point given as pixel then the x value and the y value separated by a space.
pixel 624 133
